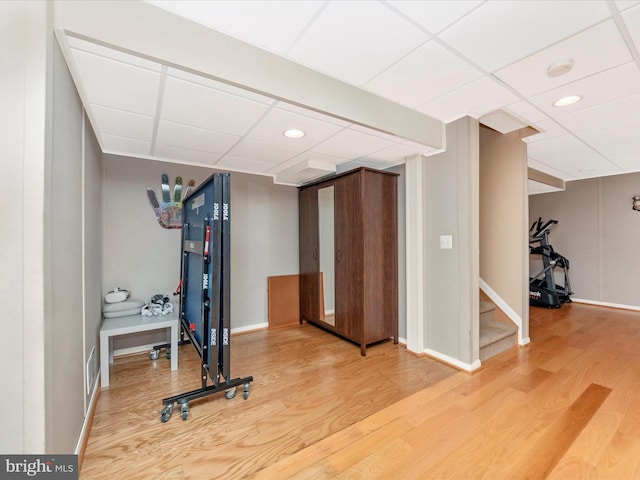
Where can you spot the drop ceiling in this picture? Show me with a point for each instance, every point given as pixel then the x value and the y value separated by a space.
pixel 443 59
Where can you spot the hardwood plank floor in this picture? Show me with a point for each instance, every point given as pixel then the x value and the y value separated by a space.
pixel 308 384
pixel 565 407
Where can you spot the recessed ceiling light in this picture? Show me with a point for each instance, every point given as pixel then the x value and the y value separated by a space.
pixel 560 67
pixel 293 133
pixel 570 100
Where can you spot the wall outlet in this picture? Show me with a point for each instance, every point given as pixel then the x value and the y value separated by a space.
pixel 91 370
pixel 446 242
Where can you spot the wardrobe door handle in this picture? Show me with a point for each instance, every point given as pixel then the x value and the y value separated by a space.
pixel 315 253
pixel 339 256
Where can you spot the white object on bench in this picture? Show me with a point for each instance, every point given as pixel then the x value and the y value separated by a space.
pixel 112 327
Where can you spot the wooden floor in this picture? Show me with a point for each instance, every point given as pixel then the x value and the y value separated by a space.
pixel 566 407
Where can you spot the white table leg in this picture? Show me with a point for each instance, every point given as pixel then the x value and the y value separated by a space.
pixel 104 361
pixel 174 347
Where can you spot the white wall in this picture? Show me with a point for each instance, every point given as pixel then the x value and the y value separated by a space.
pixel 42 138
pixel 24 62
pixel 143 257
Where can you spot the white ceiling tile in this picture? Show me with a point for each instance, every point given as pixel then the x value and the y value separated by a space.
pixel 122 124
pixel 625 4
pixel 241 164
pixel 599 48
pixel 355 40
pixel 166 4
pixel 264 152
pixel 117 85
pixel 602 115
pixel 273 25
pixel 351 144
pixel 223 87
pixel 275 122
pixel 113 54
pixel 424 74
pixel 518 29
pixel 435 15
pixel 200 106
pixel 631 19
pixel 620 81
pixel 185 155
pixel 568 154
pixel 619 142
pixel 193 138
pixel 474 99
pixel 125 146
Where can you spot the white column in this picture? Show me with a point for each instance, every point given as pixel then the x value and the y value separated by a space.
pixel 414 212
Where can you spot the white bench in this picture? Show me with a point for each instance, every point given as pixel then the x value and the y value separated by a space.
pixel 112 327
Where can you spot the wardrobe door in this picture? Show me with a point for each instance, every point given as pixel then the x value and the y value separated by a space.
pixel 380 257
pixel 349 257
pixel 309 255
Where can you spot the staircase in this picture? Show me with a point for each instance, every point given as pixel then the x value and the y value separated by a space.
pixel 495 336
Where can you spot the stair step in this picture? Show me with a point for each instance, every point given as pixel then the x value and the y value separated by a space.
pixel 486 307
pixel 495 336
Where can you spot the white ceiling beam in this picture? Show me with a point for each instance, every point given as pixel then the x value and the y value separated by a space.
pixel 142 29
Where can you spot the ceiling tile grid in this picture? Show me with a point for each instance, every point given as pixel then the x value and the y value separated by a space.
pixel 444 59
pixel 189 156
pixel 355 40
pixel 501 32
pixel 200 106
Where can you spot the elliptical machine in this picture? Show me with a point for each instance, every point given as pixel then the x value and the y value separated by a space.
pixel 543 289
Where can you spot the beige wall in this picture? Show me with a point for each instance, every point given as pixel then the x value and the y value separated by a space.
pixel 597 231
pixel 143 257
pixel 503 220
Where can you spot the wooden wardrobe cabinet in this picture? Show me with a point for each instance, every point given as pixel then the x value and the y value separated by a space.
pixel 365 256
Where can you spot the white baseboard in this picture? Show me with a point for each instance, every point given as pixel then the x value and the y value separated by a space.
pixel 454 362
pixel 621 306
pixel 249 328
pixel 84 432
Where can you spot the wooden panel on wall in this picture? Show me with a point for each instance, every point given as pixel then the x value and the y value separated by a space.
pixel 284 300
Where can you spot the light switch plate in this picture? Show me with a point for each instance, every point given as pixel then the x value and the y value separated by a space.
pixel 446 242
